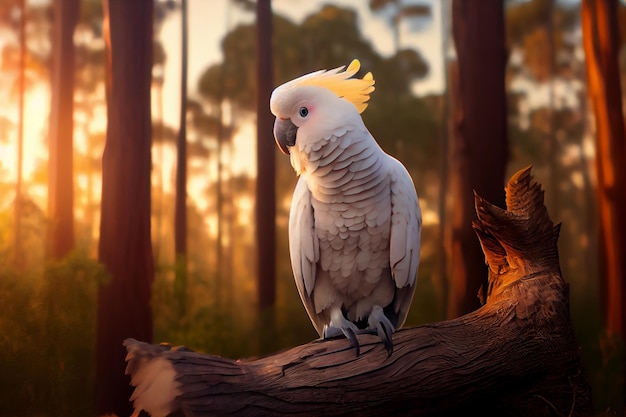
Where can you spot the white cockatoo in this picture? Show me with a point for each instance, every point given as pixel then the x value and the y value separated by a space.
pixel 355 220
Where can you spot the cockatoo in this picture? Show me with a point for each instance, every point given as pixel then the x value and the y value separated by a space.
pixel 355 220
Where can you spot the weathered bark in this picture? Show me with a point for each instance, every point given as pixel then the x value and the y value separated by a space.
pixel 61 130
pixel 125 244
pixel 479 146
pixel 516 355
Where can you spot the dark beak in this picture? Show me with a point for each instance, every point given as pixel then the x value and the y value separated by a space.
pixel 285 134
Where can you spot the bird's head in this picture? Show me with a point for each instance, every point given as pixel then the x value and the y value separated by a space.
pixel 313 107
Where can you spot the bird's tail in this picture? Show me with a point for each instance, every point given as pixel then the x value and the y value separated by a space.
pixel 153 377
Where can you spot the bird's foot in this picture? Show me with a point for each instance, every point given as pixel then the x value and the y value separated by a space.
pixel 379 323
pixel 340 325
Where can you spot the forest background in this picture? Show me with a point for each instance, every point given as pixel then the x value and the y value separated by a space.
pixel 210 299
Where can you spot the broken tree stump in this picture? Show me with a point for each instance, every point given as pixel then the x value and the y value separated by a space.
pixel 516 355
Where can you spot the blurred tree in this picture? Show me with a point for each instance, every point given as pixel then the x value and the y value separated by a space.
pixel 540 34
pixel 326 39
pixel 61 130
pixel 180 221
pixel 89 135
pixel 125 245
pixel 220 101
pixel 601 44
pixel 20 135
pixel 549 127
pixel 479 144
pixel 329 38
pixel 265 224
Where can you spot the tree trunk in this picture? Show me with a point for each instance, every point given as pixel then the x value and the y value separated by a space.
pixel 479 146
pixel 265 185
pixel 554 147
pixel 180 226
pixel 516 355
pixel 601 44
pixel 125 245
pixel 61 136
pixel 222 136
pixel 21 91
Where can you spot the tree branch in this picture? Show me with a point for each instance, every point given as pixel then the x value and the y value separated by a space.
pixel 516 355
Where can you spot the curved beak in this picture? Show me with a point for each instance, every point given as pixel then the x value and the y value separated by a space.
pixel 285 134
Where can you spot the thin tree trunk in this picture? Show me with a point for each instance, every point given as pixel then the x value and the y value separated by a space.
pixel 599 19
pixel 232 218
pixel 180 227
pixel 446 130
pixel 158 246
pixel 221 137
pixel 125 246
pixel 21 85
pixel 552 139
pixel 586 166
pixel 601 44
pixel 61 136
pixel 265 185
pixel 479 147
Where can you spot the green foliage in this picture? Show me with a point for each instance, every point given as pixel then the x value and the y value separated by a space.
pixel 326 39
pixel 406 126
pixel 47 336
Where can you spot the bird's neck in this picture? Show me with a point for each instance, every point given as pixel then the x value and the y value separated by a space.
pixel 336 168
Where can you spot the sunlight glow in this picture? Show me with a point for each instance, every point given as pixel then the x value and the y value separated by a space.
pixel 245 210
pixel 36 108
pixel 244 143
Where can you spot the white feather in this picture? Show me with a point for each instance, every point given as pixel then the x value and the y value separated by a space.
pixel 355 222
pixel 406 225
pixel 154 379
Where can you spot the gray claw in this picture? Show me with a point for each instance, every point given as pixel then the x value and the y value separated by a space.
pixel 377 320
pixel 340 325
pixel 387 338
pixel 353 340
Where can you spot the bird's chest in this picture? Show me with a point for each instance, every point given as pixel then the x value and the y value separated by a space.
pixel 353 239
pixel 351 208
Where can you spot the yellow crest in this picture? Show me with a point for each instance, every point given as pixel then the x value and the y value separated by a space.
pixel 356 90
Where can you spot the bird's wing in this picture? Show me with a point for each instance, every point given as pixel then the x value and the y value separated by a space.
pixel 404 245
pixel 304 248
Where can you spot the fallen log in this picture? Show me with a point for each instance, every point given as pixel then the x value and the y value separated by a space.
pixel 516 355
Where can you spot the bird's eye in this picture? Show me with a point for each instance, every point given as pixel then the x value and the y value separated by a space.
pixel 304 112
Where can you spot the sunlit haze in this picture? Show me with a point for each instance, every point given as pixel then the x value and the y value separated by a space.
pixel 208 24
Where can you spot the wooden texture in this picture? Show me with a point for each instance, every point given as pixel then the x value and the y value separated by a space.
pixel 516 355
